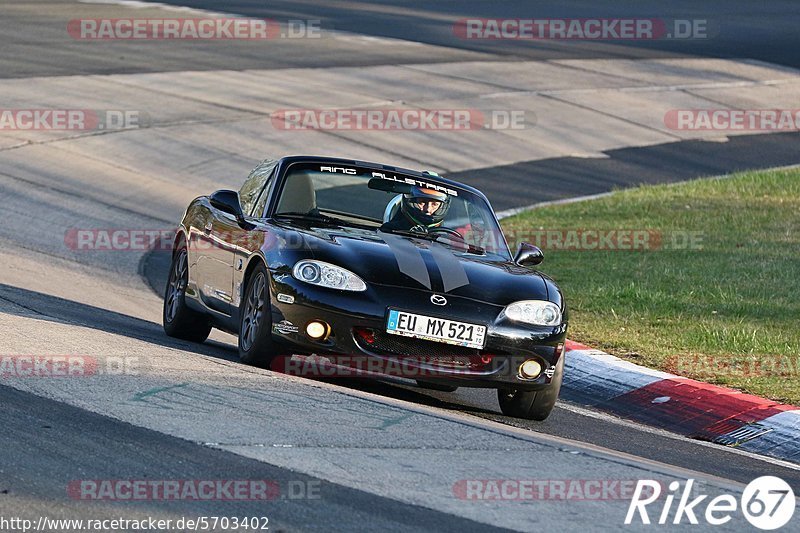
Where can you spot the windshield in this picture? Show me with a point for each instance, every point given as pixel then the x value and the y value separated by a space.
pixel 386 201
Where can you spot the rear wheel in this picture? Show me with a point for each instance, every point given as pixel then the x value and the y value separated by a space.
pixel 256 346
pixel 532 405
pixel 179 321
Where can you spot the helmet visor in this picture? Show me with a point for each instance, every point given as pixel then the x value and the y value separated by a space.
pixel 420 194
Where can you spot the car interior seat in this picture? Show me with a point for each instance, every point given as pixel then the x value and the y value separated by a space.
pixel 298 195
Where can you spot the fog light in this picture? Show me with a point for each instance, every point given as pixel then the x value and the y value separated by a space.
pixel 530 369
pixel 318 330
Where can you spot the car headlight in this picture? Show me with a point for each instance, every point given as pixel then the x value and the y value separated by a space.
pixel 327 275
pixel 536 312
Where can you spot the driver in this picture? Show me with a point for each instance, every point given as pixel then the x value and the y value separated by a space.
pixel 421 210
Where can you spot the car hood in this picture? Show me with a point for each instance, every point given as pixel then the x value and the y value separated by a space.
pixel 401 261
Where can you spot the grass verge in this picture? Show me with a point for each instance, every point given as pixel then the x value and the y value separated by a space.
pixel 711 290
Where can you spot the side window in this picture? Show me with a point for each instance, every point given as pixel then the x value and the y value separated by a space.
pixel 254 185
pixel 258 211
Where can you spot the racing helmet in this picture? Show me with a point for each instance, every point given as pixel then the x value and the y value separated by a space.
pixel 418 216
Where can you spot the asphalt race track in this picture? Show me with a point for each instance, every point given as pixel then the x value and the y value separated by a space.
pixel 346 455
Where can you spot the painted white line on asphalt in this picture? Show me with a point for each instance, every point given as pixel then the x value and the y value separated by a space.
pixel 529 435
pixel 517 210
pixel 563 444
pixel 606 417
pixel 587 412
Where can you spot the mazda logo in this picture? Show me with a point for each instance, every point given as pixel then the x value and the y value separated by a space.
pixel 438 300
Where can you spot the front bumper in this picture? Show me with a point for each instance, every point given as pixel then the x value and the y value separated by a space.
pixel 358 337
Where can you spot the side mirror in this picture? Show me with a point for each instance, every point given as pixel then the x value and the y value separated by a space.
pixel 528 255
pixel 228 202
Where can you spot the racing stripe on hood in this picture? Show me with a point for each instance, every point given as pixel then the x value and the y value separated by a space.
pixel 409 259
pixel 451 269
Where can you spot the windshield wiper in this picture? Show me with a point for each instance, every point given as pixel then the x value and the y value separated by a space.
pixel 434 237
pixel 311 216
pixel 409 233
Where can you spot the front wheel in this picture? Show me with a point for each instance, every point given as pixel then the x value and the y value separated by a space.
pixel 532 405
pixel 256 346
pixel 179 321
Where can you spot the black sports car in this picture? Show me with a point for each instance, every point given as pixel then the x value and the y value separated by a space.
pixel 358 262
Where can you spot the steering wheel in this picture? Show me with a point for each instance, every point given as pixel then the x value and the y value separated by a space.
pixel 449 231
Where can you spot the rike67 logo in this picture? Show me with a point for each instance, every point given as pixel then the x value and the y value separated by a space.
pixel 767 502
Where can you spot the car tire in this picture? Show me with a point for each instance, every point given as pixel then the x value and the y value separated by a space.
pixel 178 319
pixel 436 386
pixel 532 405
pixel 256 346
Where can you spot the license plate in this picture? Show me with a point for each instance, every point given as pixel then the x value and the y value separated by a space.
pixel 435 329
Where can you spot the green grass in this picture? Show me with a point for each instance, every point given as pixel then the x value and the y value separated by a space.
pixel 728 313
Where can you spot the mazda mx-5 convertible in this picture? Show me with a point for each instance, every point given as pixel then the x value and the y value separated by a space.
pixel 353 262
